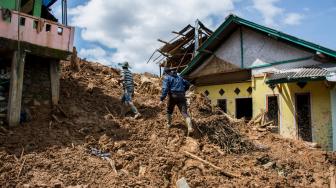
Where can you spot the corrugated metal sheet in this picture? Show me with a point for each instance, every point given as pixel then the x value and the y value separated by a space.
pixel 283 75
pixel 316 72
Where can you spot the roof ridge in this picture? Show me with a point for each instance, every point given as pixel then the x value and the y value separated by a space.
pixel 232 18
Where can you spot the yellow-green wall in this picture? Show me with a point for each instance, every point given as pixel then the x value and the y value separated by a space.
pixel 229 94
pixel 320 108
pixel 320 105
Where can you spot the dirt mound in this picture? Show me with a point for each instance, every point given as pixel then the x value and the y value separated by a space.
pixel 86 143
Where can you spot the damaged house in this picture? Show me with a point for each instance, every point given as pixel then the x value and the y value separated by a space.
pixel 32 43
pixel 246 69
pixel 178 52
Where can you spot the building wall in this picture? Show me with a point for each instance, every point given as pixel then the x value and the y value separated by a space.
pixel 59 37
pixel 229 51
pixel 11 4
pixel 259 50
pixel 320 108
pixel 37 8
pixel 229 94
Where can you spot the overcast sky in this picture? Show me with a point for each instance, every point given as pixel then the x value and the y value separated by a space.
pixel 112 31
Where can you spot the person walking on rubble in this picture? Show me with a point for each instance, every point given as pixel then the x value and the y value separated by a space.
pixel 174 86
pixel 128 89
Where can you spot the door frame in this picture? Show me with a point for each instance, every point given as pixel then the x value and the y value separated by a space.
pixel 310 111
pixel 279 113
pixel 226 104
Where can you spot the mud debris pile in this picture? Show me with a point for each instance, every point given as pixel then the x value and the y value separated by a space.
pixel 54 149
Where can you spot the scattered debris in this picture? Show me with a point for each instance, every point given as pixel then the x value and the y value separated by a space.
pixel 112 164
pixel 143 153
pixel 223 132
pixel 99 153
pixel 230 175
pixel 22 165
pixel 312 145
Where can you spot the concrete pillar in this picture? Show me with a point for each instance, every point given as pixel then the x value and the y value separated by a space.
pixel 333 115
pixel 55 81
pixel 15 90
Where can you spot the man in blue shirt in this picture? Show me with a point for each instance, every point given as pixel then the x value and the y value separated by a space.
pixel 128 88
pixel 174 86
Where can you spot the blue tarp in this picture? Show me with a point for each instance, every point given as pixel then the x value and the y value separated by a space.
pixel 48 3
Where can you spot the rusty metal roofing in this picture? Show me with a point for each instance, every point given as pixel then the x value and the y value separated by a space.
pixel 316 72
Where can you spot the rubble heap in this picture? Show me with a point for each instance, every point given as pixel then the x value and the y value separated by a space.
pixel 84 142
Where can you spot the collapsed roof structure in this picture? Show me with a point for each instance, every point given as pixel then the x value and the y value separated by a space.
pixel 178 52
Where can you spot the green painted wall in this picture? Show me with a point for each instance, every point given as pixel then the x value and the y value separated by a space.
pixel 37 8
pixel 10 4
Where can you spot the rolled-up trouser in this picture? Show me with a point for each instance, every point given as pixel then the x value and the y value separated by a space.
pixel 127 96
pixel 180 100
pixel 127 99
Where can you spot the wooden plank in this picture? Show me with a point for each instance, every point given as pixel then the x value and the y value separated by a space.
pixel 55 81
pixel 230 175
pixel 332 177
pixel 15 91
pixel 177 33
pixel 163 41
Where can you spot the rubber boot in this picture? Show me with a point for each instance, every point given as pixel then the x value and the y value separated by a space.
pixel 135 110
pixel 169 120
pixel 189 125
pixel 137 116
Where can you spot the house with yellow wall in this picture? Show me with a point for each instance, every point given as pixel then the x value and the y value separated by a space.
pixel 245 68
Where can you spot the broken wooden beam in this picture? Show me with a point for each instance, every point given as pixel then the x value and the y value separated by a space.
pixel 230 175
pixel 177 33
pixel 112 164
pixel 18 176
pixel 163 41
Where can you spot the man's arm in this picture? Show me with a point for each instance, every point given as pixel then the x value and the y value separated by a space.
pixel 186 84
pixel 122 77
pixel 165 88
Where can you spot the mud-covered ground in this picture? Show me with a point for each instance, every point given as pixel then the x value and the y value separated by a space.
pixel 53 149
